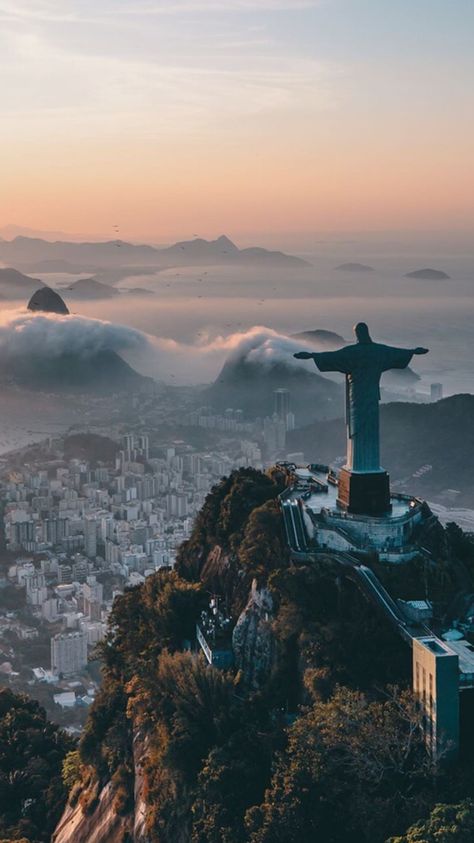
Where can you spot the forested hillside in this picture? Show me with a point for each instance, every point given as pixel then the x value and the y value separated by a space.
pixel 311 735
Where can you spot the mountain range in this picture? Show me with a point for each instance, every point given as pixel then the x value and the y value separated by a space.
pixel 29 253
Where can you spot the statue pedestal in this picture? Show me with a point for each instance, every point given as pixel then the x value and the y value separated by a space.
pixel 364 493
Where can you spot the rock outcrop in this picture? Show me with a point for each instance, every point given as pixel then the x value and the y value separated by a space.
pixel 103 823
pixel 253 639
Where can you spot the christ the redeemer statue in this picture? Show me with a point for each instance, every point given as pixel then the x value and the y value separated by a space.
pixel 363 364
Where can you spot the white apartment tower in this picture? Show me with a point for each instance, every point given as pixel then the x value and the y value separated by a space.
pixel 68 653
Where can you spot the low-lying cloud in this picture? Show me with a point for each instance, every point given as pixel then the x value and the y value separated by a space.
pixel 201 361
pixel 50 335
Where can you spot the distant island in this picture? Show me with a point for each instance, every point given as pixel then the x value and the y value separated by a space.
pixel 325 339
pixel 428 274
pixel 89 288
pixel 138 291
pixel 355 267
pixel 15 285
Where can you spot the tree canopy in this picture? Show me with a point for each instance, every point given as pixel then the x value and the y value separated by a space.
pixel 32 750
pixel 446 824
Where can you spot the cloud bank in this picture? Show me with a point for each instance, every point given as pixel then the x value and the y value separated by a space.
pixel 49 335
pixel 201 361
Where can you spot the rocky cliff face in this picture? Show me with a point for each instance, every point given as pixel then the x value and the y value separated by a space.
pixel 253 639
pixel 103 824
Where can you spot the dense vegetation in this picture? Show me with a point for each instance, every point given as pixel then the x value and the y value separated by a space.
pixel 326 747
pixel 91 447
pixel 446 824
pixel 32 751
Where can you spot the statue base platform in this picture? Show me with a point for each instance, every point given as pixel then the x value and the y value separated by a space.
pixel 364 493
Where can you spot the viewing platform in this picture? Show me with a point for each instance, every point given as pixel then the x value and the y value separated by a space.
pixel 331 527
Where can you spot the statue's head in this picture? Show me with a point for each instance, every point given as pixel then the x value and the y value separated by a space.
pixel 362 332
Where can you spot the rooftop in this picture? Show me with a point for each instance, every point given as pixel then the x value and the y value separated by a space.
pixel 465 651
pixel 439 648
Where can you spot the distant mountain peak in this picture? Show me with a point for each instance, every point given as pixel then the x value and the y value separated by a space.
pixel 223 240
pixel 46 300
pixel 16 285
pixel 320 337
pixel 90 288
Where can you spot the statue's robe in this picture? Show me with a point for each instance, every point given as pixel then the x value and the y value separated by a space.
pixel 363 365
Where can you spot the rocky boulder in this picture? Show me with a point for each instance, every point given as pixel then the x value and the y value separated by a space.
pixel 253 639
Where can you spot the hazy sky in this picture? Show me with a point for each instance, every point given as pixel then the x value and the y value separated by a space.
pixel 176 117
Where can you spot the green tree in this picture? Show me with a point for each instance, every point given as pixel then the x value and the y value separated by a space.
pixel 353 769
pixel 223 517
pixel 32 751
pixel 263 548
pixel 71 771
pixel 446 824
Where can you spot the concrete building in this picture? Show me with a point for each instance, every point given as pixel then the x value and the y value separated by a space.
pixel 281 403
pixel 68 653
pixel 436 391
pixel 90 538
pixel 436 686
pixel 274 434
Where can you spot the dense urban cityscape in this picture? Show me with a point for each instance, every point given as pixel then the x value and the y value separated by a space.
pixel 78 531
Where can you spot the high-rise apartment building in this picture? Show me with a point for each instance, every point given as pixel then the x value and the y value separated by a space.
pixel 436 391
pixel 68 653
pixel 90 538
pixel 281 403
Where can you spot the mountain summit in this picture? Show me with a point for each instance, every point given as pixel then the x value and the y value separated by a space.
pixel 46 300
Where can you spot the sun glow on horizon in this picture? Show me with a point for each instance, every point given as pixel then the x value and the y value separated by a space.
pixel 271 116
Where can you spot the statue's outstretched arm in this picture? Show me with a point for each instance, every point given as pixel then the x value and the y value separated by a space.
pixel 327 361
pixel 399 358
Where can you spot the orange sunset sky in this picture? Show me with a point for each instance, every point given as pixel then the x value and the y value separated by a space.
pixel 191 117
